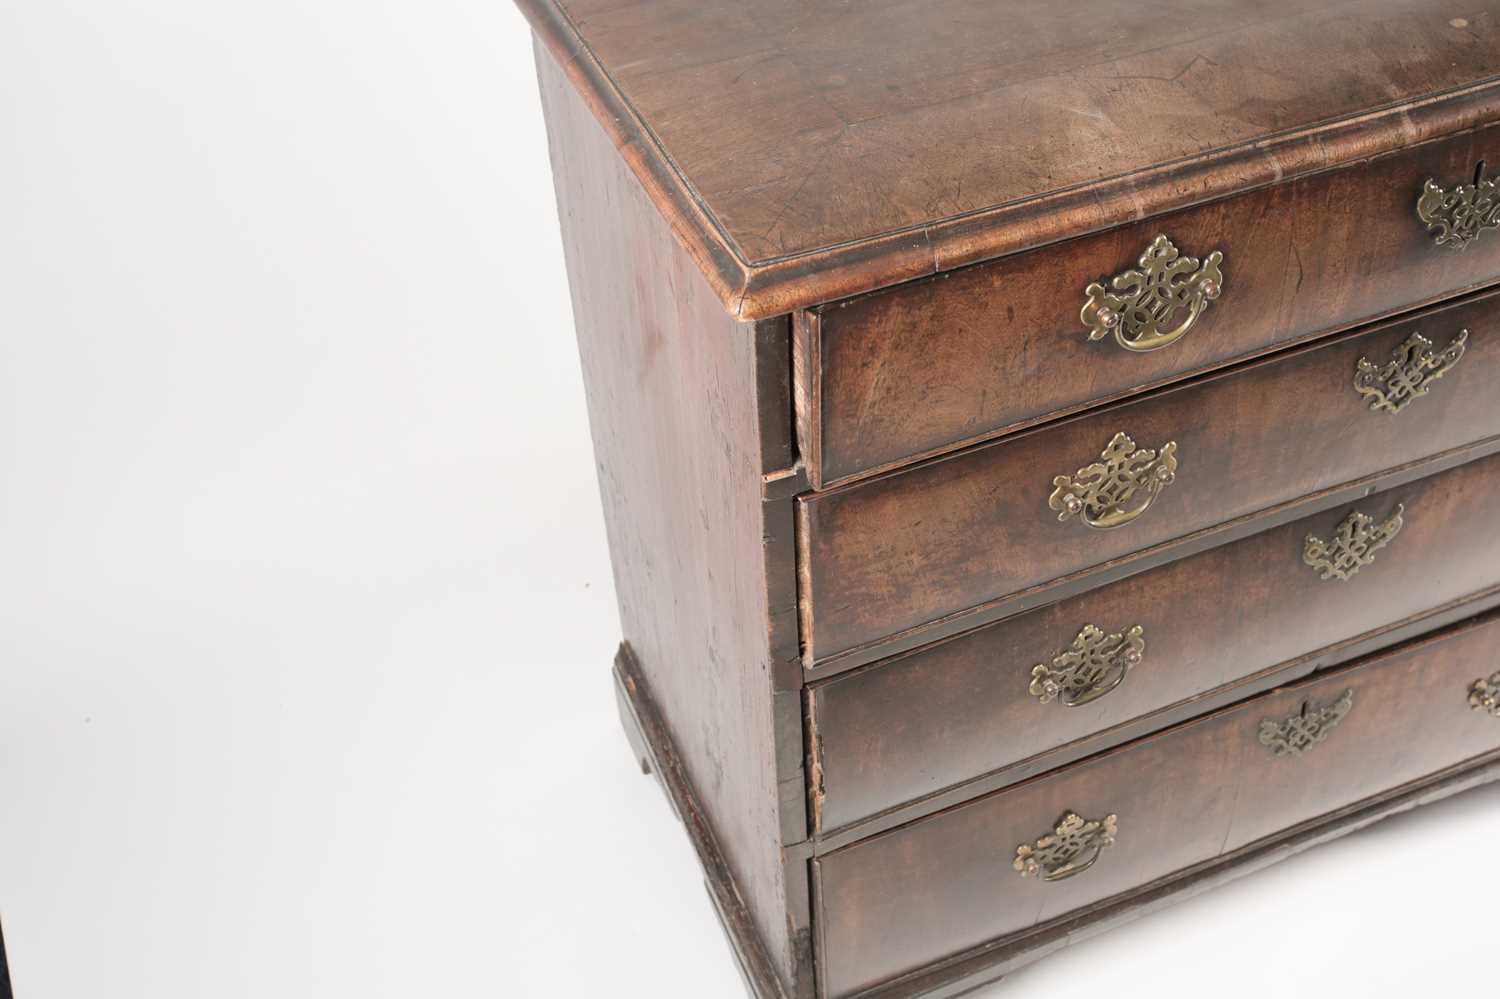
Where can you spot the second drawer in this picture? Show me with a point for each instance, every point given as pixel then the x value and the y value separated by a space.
pixel 952 712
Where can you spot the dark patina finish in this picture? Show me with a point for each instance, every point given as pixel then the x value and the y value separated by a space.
pixel 1049 459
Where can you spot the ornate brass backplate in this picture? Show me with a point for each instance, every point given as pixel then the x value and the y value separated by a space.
pixel 1157 305
pixel 1305 729
pixel 1073 846
pixel 1353 546
pixel 1096 664
pixel 1117 489
pixel 1409 374
pixel 1485 695
pixel 1460 215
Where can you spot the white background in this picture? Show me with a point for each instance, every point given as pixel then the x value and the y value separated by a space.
pixel 305 605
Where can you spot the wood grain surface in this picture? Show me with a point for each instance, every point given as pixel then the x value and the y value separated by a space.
pixel 899 730
pixel 970 354
pixel 680 444
pixel 897 901
pixel 806 152
pixel 896 552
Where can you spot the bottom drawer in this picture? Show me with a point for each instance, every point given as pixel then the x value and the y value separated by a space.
pixel 1012 860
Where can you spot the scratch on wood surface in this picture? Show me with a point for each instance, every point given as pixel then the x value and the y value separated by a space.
pixel 1174 78
pixel 822 165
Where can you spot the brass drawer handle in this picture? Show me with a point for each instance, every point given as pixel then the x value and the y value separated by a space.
pixel 1305 729
pixel 1071 848
pixel 1353 546
pixel 1095 665
pixel 1485 695
pixel 1102 493
pixel 1143 305
pixel 1409 374
pixel 1459 216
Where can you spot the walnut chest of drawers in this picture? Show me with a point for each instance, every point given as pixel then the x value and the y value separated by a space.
pixel 1049 453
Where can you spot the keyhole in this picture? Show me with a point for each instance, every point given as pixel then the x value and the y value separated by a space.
pixel 1479 174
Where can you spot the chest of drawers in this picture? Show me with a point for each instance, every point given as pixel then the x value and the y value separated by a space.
pixel 1049 451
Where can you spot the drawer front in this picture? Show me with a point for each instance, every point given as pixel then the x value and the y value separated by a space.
pixel 929 366
pixel 898 552
pixel 951 882
pixel 976 704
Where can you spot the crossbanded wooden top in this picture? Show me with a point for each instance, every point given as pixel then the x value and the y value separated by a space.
pixel 806 150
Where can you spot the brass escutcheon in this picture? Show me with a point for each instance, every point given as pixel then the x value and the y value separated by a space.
pixel 1104 495
pixel 1072 847
pixel 1353 546
pixel 1409 374
pixel 1095 665
pixel 1157 305
pixel 1485 695
pixel 1459 216
pixel 1305 729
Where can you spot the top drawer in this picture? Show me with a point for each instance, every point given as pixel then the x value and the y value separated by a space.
pixel 968 355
